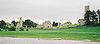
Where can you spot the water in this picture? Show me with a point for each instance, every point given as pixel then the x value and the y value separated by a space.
pixel 11 40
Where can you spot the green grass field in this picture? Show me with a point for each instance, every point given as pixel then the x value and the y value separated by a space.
pixel 77 33
pixel 71 25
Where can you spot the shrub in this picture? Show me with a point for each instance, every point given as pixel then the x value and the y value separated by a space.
pixel 22 29
pixel 0 29
pixel 12 28
pixel 6 28
pixel 26 29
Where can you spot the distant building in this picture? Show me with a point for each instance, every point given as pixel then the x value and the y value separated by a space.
pixel 67 23
pixel 59 24
pixel 46 24
pixel 20 23
pixel 81 22
pixel 87 8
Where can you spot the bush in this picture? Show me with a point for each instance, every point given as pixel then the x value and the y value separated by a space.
pixel 12 28
pixel 0 29
pixel 6 28
pixel 22 29
pixel 26 29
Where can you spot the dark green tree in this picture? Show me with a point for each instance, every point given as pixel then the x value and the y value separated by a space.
pixel 55 23
pixel 29 23
pixel 93 17
pixel 2 24
pixel 86 17
pixel 98 12
pixel 90 18
pixel 12 28
pixel 34 24
pixel 15 23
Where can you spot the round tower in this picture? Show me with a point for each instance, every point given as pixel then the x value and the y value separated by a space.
pixel 87 8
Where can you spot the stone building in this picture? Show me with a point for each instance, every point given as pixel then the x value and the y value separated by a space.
pixel 81 22
pixel 46 24
pixel 59 24
pixel 87 8
pixel 67 23
pixel 20 23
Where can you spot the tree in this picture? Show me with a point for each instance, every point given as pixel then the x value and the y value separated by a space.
pixel 14 23
pixel 98 12
pixel 2 24
pixel 93 17
pixel 68 22
pixel 34 24
pixel 12 28
pixel 55 23
pixel 86 17
pixel 29 23
pixel 90 18
pixel 7 24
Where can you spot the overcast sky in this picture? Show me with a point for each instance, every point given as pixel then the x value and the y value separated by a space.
pixel 42 10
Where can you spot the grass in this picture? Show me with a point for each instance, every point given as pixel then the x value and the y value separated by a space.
pixel 71 25
pixel 77 33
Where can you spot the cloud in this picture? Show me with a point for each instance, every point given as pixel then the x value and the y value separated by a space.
pixel 58 10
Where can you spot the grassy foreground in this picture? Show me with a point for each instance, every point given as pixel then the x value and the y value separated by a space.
pixel 77 33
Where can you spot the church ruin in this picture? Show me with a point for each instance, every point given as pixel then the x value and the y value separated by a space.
pixel 82 21
pixel 87 8
pixel 46 24
pixel 20 23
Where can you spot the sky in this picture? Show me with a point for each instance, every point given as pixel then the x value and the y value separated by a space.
pixel 41 10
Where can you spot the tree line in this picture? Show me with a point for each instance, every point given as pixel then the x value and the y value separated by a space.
pixel 92 17
pixel 8 26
